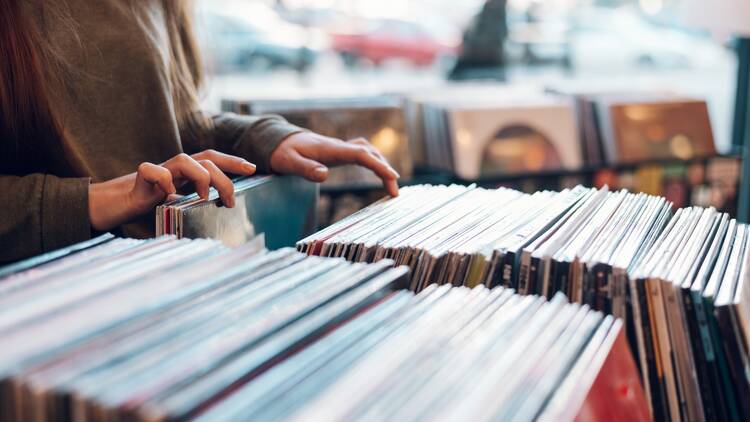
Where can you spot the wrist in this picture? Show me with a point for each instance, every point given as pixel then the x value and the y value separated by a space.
pixel 108 205
pixel 97 214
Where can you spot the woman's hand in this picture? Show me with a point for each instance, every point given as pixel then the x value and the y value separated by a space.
pixel 119 200
pixel 309 154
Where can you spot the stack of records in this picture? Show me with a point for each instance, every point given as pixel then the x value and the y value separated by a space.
pixel 135 328
pixel 282 207
pixel 538 243
pixel 631 127
pixel 680 281
pixel 691 308
pixel 454 354
pixel 501 131
pixel 379 119
pixel 173 329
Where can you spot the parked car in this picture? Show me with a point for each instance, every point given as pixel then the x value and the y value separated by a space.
pixel 620 38
pixel 253 37
pixel 386 39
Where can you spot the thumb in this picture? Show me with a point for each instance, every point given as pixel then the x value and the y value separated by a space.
pixel 309 169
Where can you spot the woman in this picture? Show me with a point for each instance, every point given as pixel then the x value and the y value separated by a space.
pixel 99 122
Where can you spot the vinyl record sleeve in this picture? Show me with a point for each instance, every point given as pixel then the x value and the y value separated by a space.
pixel 277 386
pixel 709 293
pixel 262 204
pixel 547 138
pixel 52 256
pixel 685 125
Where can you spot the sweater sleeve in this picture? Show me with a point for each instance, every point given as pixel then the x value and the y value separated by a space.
pixel 40 213
pixel 253 138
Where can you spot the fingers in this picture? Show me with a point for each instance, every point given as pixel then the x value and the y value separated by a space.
pixel 370 147
pixel 305 153
pixel 185 167
pixel 221 182
pixel 152 174
pixel 362 153
pixel 391 186
pixel 307 168
pixel 227 163
pixel 206 173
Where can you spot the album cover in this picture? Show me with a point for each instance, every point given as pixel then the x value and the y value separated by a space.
pixel 653 129
pixel 514 138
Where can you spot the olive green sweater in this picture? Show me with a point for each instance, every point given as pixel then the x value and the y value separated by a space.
pixel 117 113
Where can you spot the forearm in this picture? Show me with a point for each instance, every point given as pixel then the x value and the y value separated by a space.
pixel 253 138
pixel 41 212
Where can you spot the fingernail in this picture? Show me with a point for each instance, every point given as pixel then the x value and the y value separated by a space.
pixel 395 174
pixel 249 167
pixel 321 171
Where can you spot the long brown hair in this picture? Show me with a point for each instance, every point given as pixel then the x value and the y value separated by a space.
pixel 25 110
pixel 186 69
pixel 26 113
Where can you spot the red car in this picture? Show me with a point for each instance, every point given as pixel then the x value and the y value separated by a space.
pixel 391 39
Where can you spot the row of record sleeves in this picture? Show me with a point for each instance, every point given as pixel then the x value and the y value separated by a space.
pixel 680 280
pixel 488 130
pixel 284 208
pixel 173 329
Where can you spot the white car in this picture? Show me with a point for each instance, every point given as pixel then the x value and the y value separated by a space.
pixel 603 39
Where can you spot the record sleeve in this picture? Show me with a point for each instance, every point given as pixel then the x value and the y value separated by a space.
pixel 281 207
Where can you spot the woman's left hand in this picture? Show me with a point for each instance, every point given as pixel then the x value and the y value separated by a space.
pixel 309 155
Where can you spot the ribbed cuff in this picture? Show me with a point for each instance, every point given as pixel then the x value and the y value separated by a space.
pixel 65 212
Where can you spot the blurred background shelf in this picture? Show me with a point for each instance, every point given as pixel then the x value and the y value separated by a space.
pixel 383 56
pixel 707 181
pixel 443 177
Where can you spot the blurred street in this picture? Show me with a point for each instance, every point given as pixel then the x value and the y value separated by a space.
pixel 308 51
